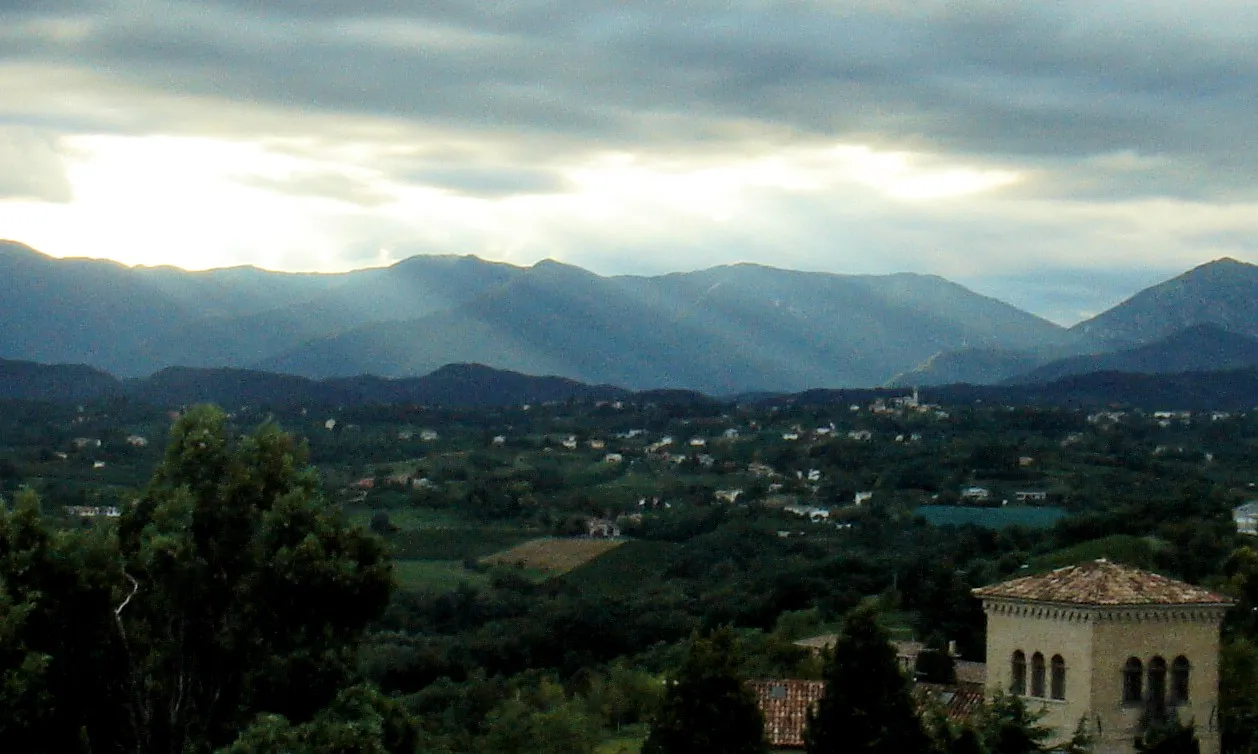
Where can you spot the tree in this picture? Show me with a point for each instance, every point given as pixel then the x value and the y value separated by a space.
pixel 542 719
pixel 59 648
pixel 866 705
pixel 1008 727
pixel 1238 695
pixel 1168 736
pixel 359 721
pixel 248 594
pixel 229 589
pixel 707 706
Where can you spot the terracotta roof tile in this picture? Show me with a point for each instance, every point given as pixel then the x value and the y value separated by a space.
pixel 1102 583
pixel 971 673
pixel 959 703
pixel 785 704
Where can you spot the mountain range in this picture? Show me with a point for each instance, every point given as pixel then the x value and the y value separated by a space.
pixel 720 331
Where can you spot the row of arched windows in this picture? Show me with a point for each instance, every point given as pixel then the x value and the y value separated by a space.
pixel 1157 691
pixel 1056 682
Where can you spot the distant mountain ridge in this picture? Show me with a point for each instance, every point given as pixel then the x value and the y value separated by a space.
pixel 451 386
pixel 1200 348
pixel 1198 321
pixel 1223 293
pixel 720 331
pixel 478 386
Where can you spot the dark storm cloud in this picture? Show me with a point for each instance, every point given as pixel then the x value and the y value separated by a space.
pixel 1055 81
pixel 1125 128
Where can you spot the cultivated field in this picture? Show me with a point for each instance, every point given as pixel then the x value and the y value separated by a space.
pixel 435 575
pixel 552 556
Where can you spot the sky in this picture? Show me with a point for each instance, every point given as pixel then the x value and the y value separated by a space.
pixel 1056 155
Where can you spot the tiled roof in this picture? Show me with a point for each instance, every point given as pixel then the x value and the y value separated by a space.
pixel 785 704
pixel 1102 583
pixel 959 703
pixel 971 673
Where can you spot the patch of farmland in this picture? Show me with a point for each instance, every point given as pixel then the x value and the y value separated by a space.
pixel 553 556
pixel 434 575
pixel 453 543
pixel 625 569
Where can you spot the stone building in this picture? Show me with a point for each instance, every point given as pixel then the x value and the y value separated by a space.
pixel 1108 645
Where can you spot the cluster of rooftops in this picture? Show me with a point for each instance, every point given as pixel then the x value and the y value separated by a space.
pixel 1096 584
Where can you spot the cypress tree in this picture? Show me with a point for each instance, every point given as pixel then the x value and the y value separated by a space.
pixel 866 706
pixel 707 706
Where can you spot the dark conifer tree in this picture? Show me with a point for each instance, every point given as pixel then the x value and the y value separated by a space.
pixel 866 706
pixel 707 706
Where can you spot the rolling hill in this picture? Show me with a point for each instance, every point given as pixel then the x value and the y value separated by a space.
pixel 1223 293
pixel 719 331
pixel 1201 348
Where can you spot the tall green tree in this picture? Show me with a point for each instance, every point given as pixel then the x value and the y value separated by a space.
pixel 1238 695
pixel 1008 727
pixel 59 661
pixel 359 721
pixel 248 591
pixel 866 706
pixel 707 706
pixel 1168 736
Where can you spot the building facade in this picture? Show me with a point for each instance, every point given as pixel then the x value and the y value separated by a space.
pixel 1108 647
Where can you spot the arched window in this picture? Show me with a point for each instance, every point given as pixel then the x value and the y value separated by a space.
pixel 1037 675
pixel 1017 673
pixel 1058 683
pixel 1179 680
pixel 1157 681
pixel 1133 681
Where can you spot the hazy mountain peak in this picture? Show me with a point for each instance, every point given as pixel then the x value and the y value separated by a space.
pixel 1223 293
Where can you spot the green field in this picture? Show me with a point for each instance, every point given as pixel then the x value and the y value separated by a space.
pixel 455 543
pixel 624 569
pixel 991 518
pixel 435 575
pixel 412 518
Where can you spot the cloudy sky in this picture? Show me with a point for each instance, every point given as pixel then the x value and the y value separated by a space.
pixel 1058 155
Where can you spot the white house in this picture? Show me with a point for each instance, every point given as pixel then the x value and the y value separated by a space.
pixel 975 493
pixel 1246 518
pixel 1030 496
pixel 863 497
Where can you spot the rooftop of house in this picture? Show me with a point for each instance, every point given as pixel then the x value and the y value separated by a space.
pixel 1248 509
pixel 786 702
pixel 1101 583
